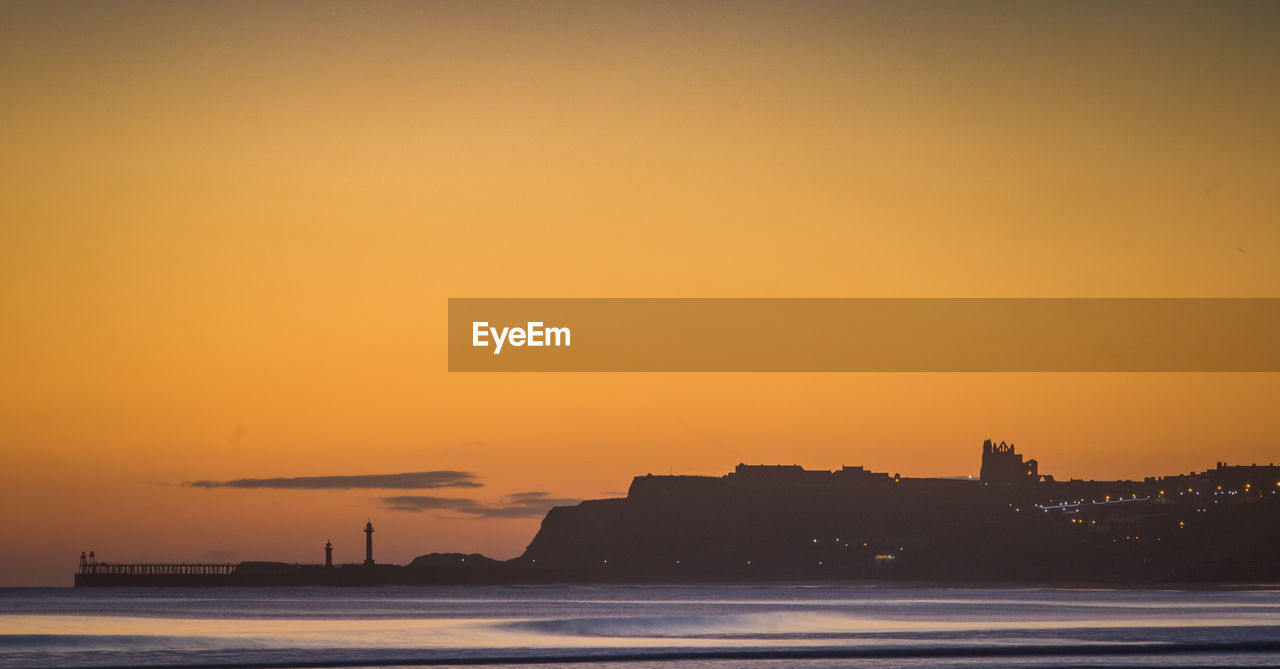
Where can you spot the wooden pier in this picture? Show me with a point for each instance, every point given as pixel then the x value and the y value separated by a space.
pixel 158 569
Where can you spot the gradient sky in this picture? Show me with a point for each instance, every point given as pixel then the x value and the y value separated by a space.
pixel 228 232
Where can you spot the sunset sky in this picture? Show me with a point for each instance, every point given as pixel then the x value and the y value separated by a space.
pixel 228 233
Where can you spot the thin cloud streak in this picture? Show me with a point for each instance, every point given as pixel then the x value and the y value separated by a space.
pixel 403 481
pixel 517 505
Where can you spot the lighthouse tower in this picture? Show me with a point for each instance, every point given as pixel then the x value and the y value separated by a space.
pixel 328 553
pixel 368 543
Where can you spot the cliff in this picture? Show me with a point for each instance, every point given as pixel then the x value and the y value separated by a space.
pixel 785 522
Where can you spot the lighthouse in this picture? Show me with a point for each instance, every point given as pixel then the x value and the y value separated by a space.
pixel 368 544
pixel 328 553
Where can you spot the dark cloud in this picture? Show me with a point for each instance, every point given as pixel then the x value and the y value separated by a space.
pixel 428 503
pixel 405 481
pixel 518 505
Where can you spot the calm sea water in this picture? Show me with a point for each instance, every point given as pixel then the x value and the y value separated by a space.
pixel 635 627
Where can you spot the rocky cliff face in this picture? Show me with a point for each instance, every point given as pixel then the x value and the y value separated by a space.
pixel 787 522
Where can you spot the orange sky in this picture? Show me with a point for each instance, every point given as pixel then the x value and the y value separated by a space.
pixel 229 230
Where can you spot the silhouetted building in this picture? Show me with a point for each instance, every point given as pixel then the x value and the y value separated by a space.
pixel 1003 465
pixel 368 543
pixel 328 553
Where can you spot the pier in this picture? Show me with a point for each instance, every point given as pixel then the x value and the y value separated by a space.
pixel 157 569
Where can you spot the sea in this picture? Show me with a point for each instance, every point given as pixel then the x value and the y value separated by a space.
pixel 640 627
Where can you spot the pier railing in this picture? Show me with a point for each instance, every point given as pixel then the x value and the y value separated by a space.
pixel 144 569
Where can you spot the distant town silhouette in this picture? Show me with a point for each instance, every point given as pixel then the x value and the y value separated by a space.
pixel 786 523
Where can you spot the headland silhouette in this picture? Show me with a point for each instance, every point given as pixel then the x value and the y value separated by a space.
pixel 786 523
